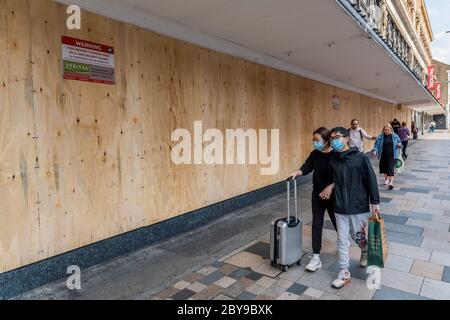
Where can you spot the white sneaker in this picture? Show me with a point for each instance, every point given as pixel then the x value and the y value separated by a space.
pixel 315 264
pixel 344 278
pixel 363 260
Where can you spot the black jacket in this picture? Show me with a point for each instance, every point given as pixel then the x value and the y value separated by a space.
pixel 396 125
pixel 318 162
pixel 355 182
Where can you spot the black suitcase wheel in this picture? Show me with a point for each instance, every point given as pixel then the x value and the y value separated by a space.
pixel 285 268
pixel 272 263
pixel 299 262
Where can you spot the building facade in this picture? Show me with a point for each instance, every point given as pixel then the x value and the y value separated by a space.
pixel 405 27
pixel 443 77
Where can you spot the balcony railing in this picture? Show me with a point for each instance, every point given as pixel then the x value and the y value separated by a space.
pixel 379 18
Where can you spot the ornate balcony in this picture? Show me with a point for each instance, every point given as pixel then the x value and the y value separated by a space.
pixel 370 10
pixel 377 15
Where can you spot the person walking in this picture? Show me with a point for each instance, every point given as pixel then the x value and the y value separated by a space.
pixel 357 136
pixel 356 192
pixel 387 149
pixel 414 130
pixel 395 126
pixel 432 126
pixel 318 162
pixel 404 135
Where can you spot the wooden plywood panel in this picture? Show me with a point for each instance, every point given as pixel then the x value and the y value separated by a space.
pixel 19 216
pixel 130 154
pixel 97 160
pixel 80 127
pixel 51 127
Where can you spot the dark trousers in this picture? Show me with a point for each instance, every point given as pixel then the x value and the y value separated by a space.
pixel 405 146
pixel 319 206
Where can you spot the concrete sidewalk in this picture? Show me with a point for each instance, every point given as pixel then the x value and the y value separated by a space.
pixel 437 135
pixel 229 258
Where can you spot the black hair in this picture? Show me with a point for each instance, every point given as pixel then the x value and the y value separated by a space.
pixel 341 130
pixel 324 133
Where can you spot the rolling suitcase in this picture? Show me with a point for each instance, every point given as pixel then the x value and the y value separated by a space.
pixel 286 237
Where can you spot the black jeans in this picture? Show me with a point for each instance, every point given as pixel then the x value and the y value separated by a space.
pixel 405 146
pixel 318 210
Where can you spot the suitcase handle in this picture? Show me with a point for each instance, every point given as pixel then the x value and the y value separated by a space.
pixel 295 199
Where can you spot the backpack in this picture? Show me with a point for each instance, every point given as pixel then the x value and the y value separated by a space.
pixel 360 133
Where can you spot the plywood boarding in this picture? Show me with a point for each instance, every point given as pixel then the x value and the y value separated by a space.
pixel 20 217
pixel 81 162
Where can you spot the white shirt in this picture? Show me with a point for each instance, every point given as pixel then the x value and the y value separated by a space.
pixel 355 138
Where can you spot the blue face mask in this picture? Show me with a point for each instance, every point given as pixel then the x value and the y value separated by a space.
pixel 319 145
pixel 337 145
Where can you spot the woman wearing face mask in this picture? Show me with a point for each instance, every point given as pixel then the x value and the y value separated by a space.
pixel 387 148
pixel 318 162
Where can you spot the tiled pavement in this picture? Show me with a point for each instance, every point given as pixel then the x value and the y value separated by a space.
pixel 417 215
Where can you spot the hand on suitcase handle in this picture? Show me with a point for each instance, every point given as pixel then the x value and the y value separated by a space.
pixel 295 175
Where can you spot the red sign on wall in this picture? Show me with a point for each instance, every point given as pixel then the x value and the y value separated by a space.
pixel 431 70
pixel 438 87
pixel 87 61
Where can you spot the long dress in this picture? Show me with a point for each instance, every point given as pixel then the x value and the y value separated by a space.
pixel 387 157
